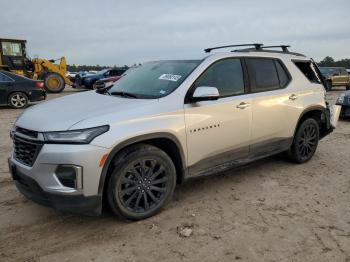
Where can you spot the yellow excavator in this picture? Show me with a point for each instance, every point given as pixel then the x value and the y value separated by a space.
pixel 13 57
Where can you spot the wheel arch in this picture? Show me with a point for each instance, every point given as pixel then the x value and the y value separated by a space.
pixel 165 141
pixel 14 91
pixel 320 114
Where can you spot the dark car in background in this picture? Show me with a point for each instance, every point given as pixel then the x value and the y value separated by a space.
pixel 17 91
pixel 104 82
pixel 336 76
pixel 89 80
pixel 344 102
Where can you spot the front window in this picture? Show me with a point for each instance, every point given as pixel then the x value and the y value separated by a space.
pixel 154 79
pixel 226 75
pixel 12 49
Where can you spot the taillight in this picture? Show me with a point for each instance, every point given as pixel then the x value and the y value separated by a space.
pixel 40 84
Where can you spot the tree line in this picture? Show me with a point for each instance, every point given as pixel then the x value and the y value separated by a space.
pixel 80 68
pixel 329 61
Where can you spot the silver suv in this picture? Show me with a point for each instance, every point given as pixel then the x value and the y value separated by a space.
pixel 164 122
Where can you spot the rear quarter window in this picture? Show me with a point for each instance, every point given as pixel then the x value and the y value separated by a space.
pixel 308 70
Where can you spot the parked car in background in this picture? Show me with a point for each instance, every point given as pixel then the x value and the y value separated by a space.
pixel 71 76
pixel 17 91
pixel 165 122
pixel 336 76
pixel 344 102
pixel 88 80
pixel 105 82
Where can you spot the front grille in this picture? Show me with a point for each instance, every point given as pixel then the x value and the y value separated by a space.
pixel 26 151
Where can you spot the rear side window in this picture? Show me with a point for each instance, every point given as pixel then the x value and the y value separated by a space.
pixel 4 78
pixel 343 72
pixel 308 69
pixel 266 74
pixel 282 74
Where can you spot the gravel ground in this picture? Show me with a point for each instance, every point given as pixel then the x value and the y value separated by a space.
pixel 272 210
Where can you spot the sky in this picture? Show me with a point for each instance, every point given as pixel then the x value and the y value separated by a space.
pixel 111 32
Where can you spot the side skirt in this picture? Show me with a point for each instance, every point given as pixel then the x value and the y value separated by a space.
pixel 257 151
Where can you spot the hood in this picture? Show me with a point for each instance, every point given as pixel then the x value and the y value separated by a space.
pixel 62 113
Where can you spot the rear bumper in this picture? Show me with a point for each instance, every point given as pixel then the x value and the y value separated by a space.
pixel 75 203
pixel 37 95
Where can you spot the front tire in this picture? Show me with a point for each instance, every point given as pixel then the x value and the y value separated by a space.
pixel 18 100
pixel 54 83
pixel 329 85
pixel 142 182
pixel 305 141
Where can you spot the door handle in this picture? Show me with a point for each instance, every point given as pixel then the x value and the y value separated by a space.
pixel 293 97
pixel 242 105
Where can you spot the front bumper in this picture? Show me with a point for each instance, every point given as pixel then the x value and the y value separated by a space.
pixel 345 111
pixel 41 184
pixel 70 203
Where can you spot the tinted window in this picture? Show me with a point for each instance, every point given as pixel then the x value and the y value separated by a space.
pixel 226 75
pixel 282 74
pixel 308 69
pixel 343 71
pixel 4 78
pixel 264 73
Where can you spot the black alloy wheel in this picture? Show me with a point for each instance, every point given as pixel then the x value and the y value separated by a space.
pixel 305 141
pixel 142 183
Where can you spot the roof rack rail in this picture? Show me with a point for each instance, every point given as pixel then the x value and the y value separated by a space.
pixel 284 47
pixel 264 48
pixel 257 46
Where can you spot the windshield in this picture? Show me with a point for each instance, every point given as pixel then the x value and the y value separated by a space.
pixel 327 70
pixel 12 49
pixel 154 79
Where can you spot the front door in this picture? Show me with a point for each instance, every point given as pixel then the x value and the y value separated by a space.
pixel 218 132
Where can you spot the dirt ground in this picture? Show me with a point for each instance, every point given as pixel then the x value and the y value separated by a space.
pixel 272 210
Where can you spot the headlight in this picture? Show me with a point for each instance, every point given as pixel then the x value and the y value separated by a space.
pixel 341 99
pixel 82 136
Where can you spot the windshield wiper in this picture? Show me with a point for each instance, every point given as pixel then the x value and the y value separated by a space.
pixel 123 94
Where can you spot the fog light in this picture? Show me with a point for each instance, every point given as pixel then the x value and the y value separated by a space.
pixel 70 176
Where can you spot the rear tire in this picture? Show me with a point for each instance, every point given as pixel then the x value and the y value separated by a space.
pixel 305 141
pixel 142 182
pixel 54 82
pixel 348 87
pixel 18 100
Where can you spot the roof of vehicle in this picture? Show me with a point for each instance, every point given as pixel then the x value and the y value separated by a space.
pixel 12 40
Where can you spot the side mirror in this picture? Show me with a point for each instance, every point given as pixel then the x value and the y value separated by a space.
pixel 205 93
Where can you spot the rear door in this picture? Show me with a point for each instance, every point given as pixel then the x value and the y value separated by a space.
pixel 275 106
pixel 218 132
pixel 6 84
pixel 337 79
pixel 344 76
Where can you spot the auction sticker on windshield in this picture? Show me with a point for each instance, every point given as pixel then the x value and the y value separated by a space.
pixel 170 77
